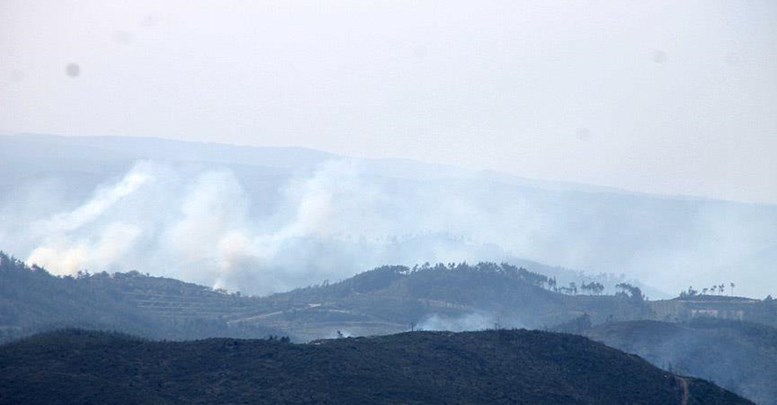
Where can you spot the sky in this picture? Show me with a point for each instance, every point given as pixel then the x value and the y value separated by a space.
pixel 659 97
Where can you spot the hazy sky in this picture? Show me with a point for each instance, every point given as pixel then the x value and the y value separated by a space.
pixel 667 97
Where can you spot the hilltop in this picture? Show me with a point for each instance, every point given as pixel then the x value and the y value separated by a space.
pixel 491 367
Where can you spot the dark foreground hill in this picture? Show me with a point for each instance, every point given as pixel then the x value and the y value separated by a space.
pixel 738 356
pixel 490 367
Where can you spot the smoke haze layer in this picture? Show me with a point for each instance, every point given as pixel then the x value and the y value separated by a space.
pixel 270 220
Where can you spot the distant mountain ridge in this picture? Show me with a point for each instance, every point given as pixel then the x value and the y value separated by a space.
pixel 133 148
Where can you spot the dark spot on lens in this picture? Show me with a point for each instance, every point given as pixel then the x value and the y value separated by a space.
pixel 73 70
pixel 659 57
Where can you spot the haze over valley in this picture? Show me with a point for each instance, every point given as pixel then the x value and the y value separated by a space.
pixel 367 202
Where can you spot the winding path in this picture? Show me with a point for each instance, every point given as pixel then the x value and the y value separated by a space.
pixel 684 386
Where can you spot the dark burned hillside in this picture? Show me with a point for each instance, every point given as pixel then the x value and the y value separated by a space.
pixel 515 366
pixel 738 356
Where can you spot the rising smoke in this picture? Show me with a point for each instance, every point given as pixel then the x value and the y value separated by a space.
pixel 199 227
pixel 211 225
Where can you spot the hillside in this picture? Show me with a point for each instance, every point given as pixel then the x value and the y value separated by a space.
pixel 385 300
pixel 33 300
pixel 456 297
pixel 738 356
pixel 516 367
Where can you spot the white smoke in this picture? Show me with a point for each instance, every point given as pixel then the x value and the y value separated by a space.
pixel 200 224
pixel 64 250
pixel 468 322
pixel 197 226
pixel 103 200
pixel 209 234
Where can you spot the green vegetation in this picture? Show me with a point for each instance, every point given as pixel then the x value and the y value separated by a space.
pixel 490 367
pixel 385 300
pixel 32 300
pixel 393 299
